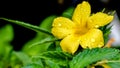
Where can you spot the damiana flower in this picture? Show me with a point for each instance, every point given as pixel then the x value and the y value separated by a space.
pixel 81 30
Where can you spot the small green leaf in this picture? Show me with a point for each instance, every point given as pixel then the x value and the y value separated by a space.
pixel 114 64
pixel 47 22
pixel 117 57
pixel 88 56
pixel 60 58
pixel 68 12
pixel 6 33
pixel 6 36
pixel 27 25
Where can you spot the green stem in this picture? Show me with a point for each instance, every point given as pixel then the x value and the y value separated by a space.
pixel 27 25
pixel 44 41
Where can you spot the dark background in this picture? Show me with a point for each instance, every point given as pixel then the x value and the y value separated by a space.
pixel 35 11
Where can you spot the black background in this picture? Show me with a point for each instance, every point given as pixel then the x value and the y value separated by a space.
pixel 35 11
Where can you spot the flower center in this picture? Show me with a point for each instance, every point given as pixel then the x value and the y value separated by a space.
pixel 78 30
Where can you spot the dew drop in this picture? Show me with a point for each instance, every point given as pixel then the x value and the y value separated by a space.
pixel 96 26
pixel 92 40
pixel 59 24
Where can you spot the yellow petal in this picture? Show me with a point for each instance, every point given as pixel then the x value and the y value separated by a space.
pixel 92 39
pixel 62 27
pixel 81 13
pixel 99 19
pixel 70 44
pixel 60 32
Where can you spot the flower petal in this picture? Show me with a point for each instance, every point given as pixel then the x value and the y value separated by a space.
pixel 60 32
pixel 62 27
pixel 70 44
pixel 99 19
pixel 92 39
pixel 81 13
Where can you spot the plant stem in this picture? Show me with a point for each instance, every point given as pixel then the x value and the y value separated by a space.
pixel 27 25
pixel 44 41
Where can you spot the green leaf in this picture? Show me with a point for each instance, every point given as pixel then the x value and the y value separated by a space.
pixel 68 12
pixel 47 22
pixel 27 25
pixel 6 36
pixel 24 58
pixel 60 58
pixel 117 57
pixel 114 64
pixel 44 41
pixel 6 33
pixel 89 56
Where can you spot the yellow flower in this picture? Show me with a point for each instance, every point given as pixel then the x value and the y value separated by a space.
pixel 81 30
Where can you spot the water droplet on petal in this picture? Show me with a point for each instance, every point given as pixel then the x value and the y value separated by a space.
pixel 96 26
pixel 59 24
pixel 92 40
